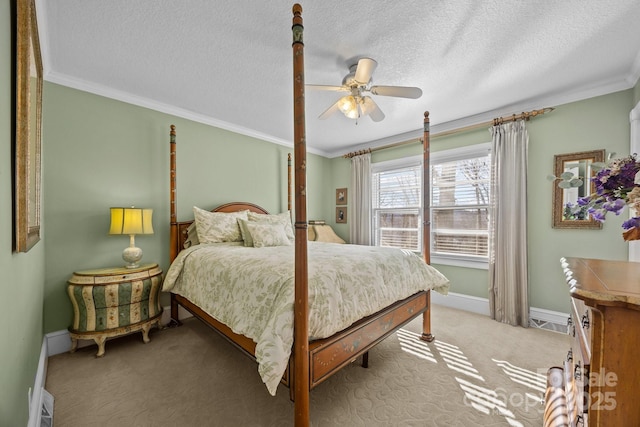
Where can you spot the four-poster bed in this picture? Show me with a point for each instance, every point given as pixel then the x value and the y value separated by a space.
pixel 312 360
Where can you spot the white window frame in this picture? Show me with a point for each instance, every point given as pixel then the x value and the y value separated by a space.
pixel 405 162
pixel 461 153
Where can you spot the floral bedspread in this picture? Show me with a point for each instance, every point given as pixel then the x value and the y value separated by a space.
pixel 251 290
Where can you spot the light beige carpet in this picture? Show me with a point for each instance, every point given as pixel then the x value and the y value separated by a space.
pixel 477 373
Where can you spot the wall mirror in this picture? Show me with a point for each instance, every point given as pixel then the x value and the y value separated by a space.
pixel 565 212
pixel 28 124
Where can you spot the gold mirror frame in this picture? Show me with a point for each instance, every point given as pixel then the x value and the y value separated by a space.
pixel 28 128
pixel 561 162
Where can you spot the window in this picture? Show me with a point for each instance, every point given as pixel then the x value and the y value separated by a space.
pixel 397 203
pixel 460 205
pixel 460 182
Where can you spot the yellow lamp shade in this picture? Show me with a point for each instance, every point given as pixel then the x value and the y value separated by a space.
pixel 131 221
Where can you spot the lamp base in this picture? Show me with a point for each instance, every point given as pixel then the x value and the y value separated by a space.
pixel 132 256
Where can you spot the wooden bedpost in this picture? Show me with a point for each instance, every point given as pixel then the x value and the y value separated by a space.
pixel 426 225
pixel 173 232
pixel 289 185
pixel 301 378
pixel 173 218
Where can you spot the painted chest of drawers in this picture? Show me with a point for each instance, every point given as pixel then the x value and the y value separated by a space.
pixel 112 302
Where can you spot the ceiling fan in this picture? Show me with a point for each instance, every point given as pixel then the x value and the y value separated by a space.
pixel 357 83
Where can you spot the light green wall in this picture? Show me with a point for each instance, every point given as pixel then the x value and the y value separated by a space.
pixel 601 122
pixel 596 123
pixel 101 153
pixel 22 274
pixel 340 177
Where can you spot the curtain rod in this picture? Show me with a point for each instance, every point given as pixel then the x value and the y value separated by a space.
pixel 497 121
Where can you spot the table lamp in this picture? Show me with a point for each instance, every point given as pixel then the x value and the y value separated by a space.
pixel 131 221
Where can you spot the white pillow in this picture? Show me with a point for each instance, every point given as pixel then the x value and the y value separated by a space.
pixel 218 227
pixel 283 218
pixel 264 235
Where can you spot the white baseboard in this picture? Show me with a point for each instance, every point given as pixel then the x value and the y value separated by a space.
pixel 462 302
pixel 60 341
pixel 481 306
pixel 35 395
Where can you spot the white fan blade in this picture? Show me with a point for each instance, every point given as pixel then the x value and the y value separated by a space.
pixel 365 69
pixel 329 87
pixel 369 107
pixel 398 91
pixel 329 111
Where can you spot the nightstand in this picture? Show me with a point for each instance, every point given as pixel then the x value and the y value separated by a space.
pixel 112 302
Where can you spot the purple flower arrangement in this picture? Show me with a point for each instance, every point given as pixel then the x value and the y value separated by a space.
pixel 616 185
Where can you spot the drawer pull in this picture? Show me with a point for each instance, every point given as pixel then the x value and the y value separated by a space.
pixel 570 355
pixel 585 320
pixel 577 372
pixel 569 321
pixel 573 331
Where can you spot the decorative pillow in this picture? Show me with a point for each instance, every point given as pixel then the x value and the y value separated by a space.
pixel 217 227
pixel 283 218
pixel 311 233
pixel 264 235
pixel 245 233
pixel 192 236
pixel 324 233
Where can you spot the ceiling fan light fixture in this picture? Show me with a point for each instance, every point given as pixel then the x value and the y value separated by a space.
pixel 358 83
pixel 347 103
pixel 366 105
pixel 352 114
pixel 349 106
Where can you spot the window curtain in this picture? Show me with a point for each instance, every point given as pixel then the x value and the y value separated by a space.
pixel 360 216
pixel 508 275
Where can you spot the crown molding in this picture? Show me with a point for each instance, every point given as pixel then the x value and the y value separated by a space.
pixel 139 101
pixel 611 86
pixel 553 100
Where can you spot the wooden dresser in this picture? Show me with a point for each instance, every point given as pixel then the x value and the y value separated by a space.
pixel 602 370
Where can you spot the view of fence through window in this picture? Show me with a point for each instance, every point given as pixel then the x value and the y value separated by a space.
pixel 459 207
pixel 396 205
pixel 460 204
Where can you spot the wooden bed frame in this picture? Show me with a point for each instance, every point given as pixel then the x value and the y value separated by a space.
pixel 311 362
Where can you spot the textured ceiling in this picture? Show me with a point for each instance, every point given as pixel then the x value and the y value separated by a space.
pixel 229 62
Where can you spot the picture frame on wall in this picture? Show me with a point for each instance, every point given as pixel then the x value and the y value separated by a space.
pixel 341 196
pixel 341 215
pixel 28 137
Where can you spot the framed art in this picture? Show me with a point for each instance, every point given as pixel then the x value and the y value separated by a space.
pixel 341 196
pixel 28 98
pixel 341 215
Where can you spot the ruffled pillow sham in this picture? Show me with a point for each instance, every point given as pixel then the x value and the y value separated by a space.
pixel 218 227
pixel 266 235
pixel 283 218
